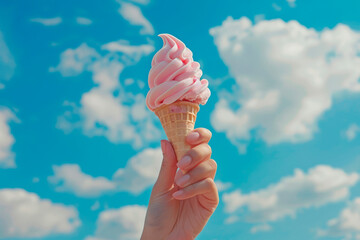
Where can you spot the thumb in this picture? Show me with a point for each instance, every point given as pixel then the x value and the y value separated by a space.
pixel 168 169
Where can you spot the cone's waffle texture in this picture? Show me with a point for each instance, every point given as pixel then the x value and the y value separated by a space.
pixel 178 119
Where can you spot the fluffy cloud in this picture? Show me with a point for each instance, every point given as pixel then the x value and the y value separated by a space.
pixel 141 171
pixel 47 21
pixel 134 16
pixel 83 21
pixel 352 131
pixel 70 178
pixel 7 157
pixel 346 225
pixel 321 185
pixel 75 61
pixel 25 215
pixel 7 63
pixel 286 76
pixel 125 223
pixel 108 109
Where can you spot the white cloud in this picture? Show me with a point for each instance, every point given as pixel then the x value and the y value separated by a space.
pixel 70 118
pixel 347 224
pixel 7 140
pixel 140 172
pixel 75 61
pixel 83 21
pixel 134 16
pixel 105 109
pixel 352 131
pixel 321 185
pixel 7 63
pixel 25 215
pixel 47 21
pixel 222 186
pixel 70 178
pixel 260 228
pixel 125 223
pixel 286 76
pixel 105 115
pixel 108 109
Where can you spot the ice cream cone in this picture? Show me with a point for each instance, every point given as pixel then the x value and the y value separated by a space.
pixel 178 119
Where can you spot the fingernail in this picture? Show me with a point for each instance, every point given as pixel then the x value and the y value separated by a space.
pixel 193 136
pixel 183 180
pixel 184 162
pixel 163 147
pixel 178 193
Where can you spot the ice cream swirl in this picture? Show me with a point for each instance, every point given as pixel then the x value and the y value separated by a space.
pixel 175 76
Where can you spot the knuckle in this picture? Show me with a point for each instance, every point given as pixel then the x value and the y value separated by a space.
pixel 204 133
pixel 209 150
pixel 193 153
pixel 200 152
pixel 209 133
pixel 200 131
pixel 208 182
pixel 213 164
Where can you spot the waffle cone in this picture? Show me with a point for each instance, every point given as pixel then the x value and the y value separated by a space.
pixel 178 119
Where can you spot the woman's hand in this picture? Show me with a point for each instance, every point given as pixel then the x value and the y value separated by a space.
pixel 182 202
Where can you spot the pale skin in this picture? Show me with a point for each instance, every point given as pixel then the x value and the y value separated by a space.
pixel 182 202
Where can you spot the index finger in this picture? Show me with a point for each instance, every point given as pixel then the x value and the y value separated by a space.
pixel 198 136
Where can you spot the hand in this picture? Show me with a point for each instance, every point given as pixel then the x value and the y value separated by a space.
pixel 182 202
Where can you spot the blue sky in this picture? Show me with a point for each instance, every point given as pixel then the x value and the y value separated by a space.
pixel 79 150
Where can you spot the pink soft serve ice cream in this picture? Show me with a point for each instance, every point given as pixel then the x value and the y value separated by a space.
pixel 175 76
